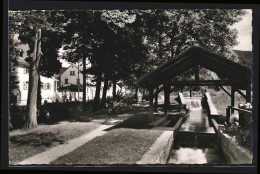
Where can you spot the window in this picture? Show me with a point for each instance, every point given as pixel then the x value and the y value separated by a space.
pixel 72 73
pixel 44 86
pixel 48 86
pixel 26 70
pixel 25 85
pixel 78 81
pixel 66 81
pixel 21 53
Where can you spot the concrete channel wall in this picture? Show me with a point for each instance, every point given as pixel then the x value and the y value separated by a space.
pixel 160 150
pixel 234 153
pixel 212 109
pixel 182 99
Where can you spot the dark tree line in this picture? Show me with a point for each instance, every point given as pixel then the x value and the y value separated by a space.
pixel 121 45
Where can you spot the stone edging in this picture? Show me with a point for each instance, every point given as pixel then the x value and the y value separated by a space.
pixel 159 151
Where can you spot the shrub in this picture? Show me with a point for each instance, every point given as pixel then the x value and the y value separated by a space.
pixel 129 99
pixel 17 116
pixel 242 134
pixel 53 112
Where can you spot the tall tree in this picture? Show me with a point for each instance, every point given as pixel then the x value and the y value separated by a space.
pixel 31 27
pixel 82 37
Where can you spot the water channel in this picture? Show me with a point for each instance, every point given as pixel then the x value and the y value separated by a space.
pixel 196 141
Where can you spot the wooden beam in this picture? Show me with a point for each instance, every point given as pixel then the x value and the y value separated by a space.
pixel 240 92
pixel 199 83
pixel 225 90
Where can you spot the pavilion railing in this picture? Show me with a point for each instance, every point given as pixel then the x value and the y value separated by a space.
pixel 244 115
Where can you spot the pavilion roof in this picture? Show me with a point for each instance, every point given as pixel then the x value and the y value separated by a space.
pixel 193 56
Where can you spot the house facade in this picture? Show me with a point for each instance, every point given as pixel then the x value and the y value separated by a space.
pixel 72 77
pixel 48 85
pixel 71 82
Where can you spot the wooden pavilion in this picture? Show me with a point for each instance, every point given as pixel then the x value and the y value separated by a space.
pixel 232 74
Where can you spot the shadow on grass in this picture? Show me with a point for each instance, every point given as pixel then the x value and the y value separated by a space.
pixel 87 116
pixel 32 139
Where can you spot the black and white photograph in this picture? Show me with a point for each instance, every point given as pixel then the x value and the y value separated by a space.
pixel 138 87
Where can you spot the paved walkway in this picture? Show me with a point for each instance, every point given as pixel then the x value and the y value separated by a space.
pixel 60 150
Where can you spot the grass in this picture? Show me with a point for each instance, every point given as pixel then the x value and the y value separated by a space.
pixel 119 146
pixel 123 113
pixel 26 143
pixel 137 121
pixel 221 100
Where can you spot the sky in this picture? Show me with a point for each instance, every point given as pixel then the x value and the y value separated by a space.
pixel 244 28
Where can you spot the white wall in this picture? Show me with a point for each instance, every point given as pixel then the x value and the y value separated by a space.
pixel 72 79
pixel 47 94
pixel 23 77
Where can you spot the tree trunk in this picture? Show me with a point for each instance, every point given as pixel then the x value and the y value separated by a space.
pixel 39 97
pixel 84 83
pixel 114 89
pixel 97 94
pixel 104 95
pixel 31 116
pixel 136 91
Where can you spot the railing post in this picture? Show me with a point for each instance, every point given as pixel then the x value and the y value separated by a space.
pixel 232 98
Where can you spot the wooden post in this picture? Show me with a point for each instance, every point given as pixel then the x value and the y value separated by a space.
pixel 166 98
pixel 156 99
pixel 228 115
pixel 232 98
pixel 151 104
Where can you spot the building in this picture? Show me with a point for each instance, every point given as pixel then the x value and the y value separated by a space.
pixel 70 84
pixel 49 91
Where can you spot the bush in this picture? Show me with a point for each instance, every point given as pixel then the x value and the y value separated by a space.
pixel 129 99
pixel 17 116
pixel 243 134
pixel 54 112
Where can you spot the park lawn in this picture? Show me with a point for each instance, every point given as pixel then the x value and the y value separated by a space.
pixel 118 146
pixel 27 143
